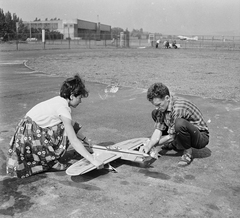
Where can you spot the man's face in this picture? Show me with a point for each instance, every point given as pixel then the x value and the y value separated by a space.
pixel 161 103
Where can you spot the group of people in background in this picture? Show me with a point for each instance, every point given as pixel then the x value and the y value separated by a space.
pixel 167 44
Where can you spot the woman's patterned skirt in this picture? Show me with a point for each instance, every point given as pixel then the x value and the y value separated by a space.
pixel 34 149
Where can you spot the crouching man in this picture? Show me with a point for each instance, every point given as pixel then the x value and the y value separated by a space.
pixel 179 124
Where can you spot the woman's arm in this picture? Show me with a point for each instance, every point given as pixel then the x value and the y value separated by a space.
pixel 76 143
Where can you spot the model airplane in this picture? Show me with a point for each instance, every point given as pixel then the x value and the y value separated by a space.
pixel 195 38
pixel 126 150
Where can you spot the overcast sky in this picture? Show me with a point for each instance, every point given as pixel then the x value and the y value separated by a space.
pixel 189 17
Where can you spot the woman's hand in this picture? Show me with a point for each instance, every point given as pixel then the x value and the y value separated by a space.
pixel 144 149
pixel 89 144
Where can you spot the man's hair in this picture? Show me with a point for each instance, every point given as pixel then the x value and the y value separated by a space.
pixel 73 86
pixel 157 90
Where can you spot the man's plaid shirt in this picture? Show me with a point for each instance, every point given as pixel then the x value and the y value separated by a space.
pixel 180 108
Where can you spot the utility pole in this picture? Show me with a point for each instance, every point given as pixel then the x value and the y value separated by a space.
pixel 17 34
pixel 68 36
pixel 30 29
pixel 98 33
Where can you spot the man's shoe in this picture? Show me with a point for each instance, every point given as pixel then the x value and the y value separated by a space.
pixel 186 159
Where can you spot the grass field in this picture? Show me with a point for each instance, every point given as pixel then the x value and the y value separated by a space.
pixel 201 72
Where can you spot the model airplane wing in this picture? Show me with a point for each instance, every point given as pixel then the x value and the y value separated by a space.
pixel 83 166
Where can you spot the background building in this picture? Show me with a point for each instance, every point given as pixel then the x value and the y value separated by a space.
pixel 74 28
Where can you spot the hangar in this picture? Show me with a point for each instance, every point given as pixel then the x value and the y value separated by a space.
pixel 73 28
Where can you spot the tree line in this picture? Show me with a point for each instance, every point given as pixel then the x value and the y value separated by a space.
pixel 7 24
pixel 12 28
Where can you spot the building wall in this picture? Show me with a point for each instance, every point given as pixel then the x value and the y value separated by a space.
pixel 87 25
pixel 105 28
pixel 51 25
pixel 68 27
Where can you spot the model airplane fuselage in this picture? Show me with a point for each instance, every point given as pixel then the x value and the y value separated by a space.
pixel 126 150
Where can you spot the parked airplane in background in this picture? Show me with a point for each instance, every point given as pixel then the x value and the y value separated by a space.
pixel 188 38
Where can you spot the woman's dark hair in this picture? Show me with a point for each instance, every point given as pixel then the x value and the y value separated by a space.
pixel 157 90
pixel 73 86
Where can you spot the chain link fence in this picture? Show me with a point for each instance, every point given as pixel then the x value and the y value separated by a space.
pixel 21 42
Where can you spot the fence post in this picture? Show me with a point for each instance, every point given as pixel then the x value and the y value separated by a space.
pixel 89 36
pixel 17 44
pixel 105 40
pixel 127 38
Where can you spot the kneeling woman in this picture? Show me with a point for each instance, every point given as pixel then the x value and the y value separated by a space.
pixel 43 135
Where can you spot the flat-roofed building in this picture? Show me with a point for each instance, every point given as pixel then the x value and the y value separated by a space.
pixel 73 28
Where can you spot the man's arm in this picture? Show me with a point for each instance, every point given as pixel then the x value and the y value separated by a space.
pixel 154 140
pixel 158 140
pixel 165 139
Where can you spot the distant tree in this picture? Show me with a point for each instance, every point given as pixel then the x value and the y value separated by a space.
pixel 116 32
pixel 8 25
pixel 3 26
pixel 137 33
pixel 2 16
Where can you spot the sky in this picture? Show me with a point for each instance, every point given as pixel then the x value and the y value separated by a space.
pixel 174 17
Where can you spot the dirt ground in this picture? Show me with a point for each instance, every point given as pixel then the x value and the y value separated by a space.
pixel 199 72
pixel 209 187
